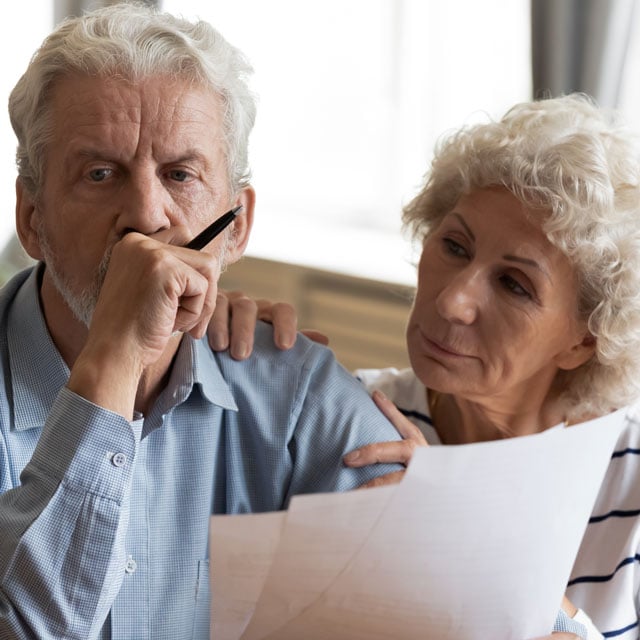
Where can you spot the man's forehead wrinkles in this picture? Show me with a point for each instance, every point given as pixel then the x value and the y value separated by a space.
pixel 136 115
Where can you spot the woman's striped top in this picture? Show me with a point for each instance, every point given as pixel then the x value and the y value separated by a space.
pixel 605 581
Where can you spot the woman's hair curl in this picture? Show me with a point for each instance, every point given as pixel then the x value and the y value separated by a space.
pixel 577 166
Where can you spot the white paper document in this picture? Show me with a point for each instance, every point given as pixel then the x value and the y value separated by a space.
pixel 476 542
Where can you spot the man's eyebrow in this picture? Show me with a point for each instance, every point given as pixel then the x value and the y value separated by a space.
pixel 190 154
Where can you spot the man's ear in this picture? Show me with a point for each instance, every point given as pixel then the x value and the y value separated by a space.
pixel 578 354
pixel 26 223
pixel 241 229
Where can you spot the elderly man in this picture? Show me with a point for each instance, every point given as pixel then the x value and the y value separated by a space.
pixel 120 431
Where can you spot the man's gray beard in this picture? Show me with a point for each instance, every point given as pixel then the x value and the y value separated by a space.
pixel 81 302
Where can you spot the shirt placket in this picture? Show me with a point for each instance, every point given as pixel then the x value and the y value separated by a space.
pixel 130 613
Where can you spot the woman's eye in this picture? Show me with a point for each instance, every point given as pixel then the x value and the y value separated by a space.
pixel 99 175
pixel 514 286
pixel 453 248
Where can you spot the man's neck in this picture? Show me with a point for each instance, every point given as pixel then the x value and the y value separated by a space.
pixel 155 378
pixel 70 336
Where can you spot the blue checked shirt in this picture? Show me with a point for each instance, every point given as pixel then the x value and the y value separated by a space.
pixel 104 522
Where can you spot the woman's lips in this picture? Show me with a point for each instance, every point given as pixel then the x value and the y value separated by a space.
pixel 441 348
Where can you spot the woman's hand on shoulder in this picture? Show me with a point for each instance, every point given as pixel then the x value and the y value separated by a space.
pixel 399 451
pixel 234 321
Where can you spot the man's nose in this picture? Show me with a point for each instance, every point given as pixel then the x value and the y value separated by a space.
pixel 145 205
pixel 460 299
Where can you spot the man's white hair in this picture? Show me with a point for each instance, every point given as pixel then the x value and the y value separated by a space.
pixel 132 42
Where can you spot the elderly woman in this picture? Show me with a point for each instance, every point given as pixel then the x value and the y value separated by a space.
pixel 527 314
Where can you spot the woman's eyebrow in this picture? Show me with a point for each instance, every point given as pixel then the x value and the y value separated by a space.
pixel 528 261
pixel 464 224
pixel 511 258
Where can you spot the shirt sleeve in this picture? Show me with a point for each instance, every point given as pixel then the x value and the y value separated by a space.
pixel 62 529
pixel 334 415
pixel 565 624
pixel 591 632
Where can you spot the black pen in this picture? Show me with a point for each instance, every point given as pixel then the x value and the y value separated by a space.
pixel 214 229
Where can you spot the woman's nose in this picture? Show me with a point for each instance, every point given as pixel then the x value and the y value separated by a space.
pixel 459 300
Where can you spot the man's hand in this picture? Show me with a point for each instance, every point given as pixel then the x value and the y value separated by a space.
pixel 234 321
pixel 399 451
pixel 151 291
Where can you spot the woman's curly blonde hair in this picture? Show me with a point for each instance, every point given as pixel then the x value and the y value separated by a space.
pixel 579 167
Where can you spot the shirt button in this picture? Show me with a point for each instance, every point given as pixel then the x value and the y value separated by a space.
pixel 131 565
pixel 119 459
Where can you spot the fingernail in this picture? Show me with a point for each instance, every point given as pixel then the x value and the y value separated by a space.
pixel 282 341
pixel 217 343
pixel 240 350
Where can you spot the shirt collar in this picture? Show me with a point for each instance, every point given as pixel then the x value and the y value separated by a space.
pixel 209 376
pixel 195 365
pixel 38 371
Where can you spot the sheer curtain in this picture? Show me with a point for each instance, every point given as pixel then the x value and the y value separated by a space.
pixel 581 45
pixel 64 8
pixel 353 95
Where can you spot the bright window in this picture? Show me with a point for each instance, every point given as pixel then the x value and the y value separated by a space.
pixel 23 26
pixel 630 88
pixel 353 94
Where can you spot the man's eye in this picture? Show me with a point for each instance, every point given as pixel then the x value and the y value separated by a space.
pixel 99 175
pixel 178 175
